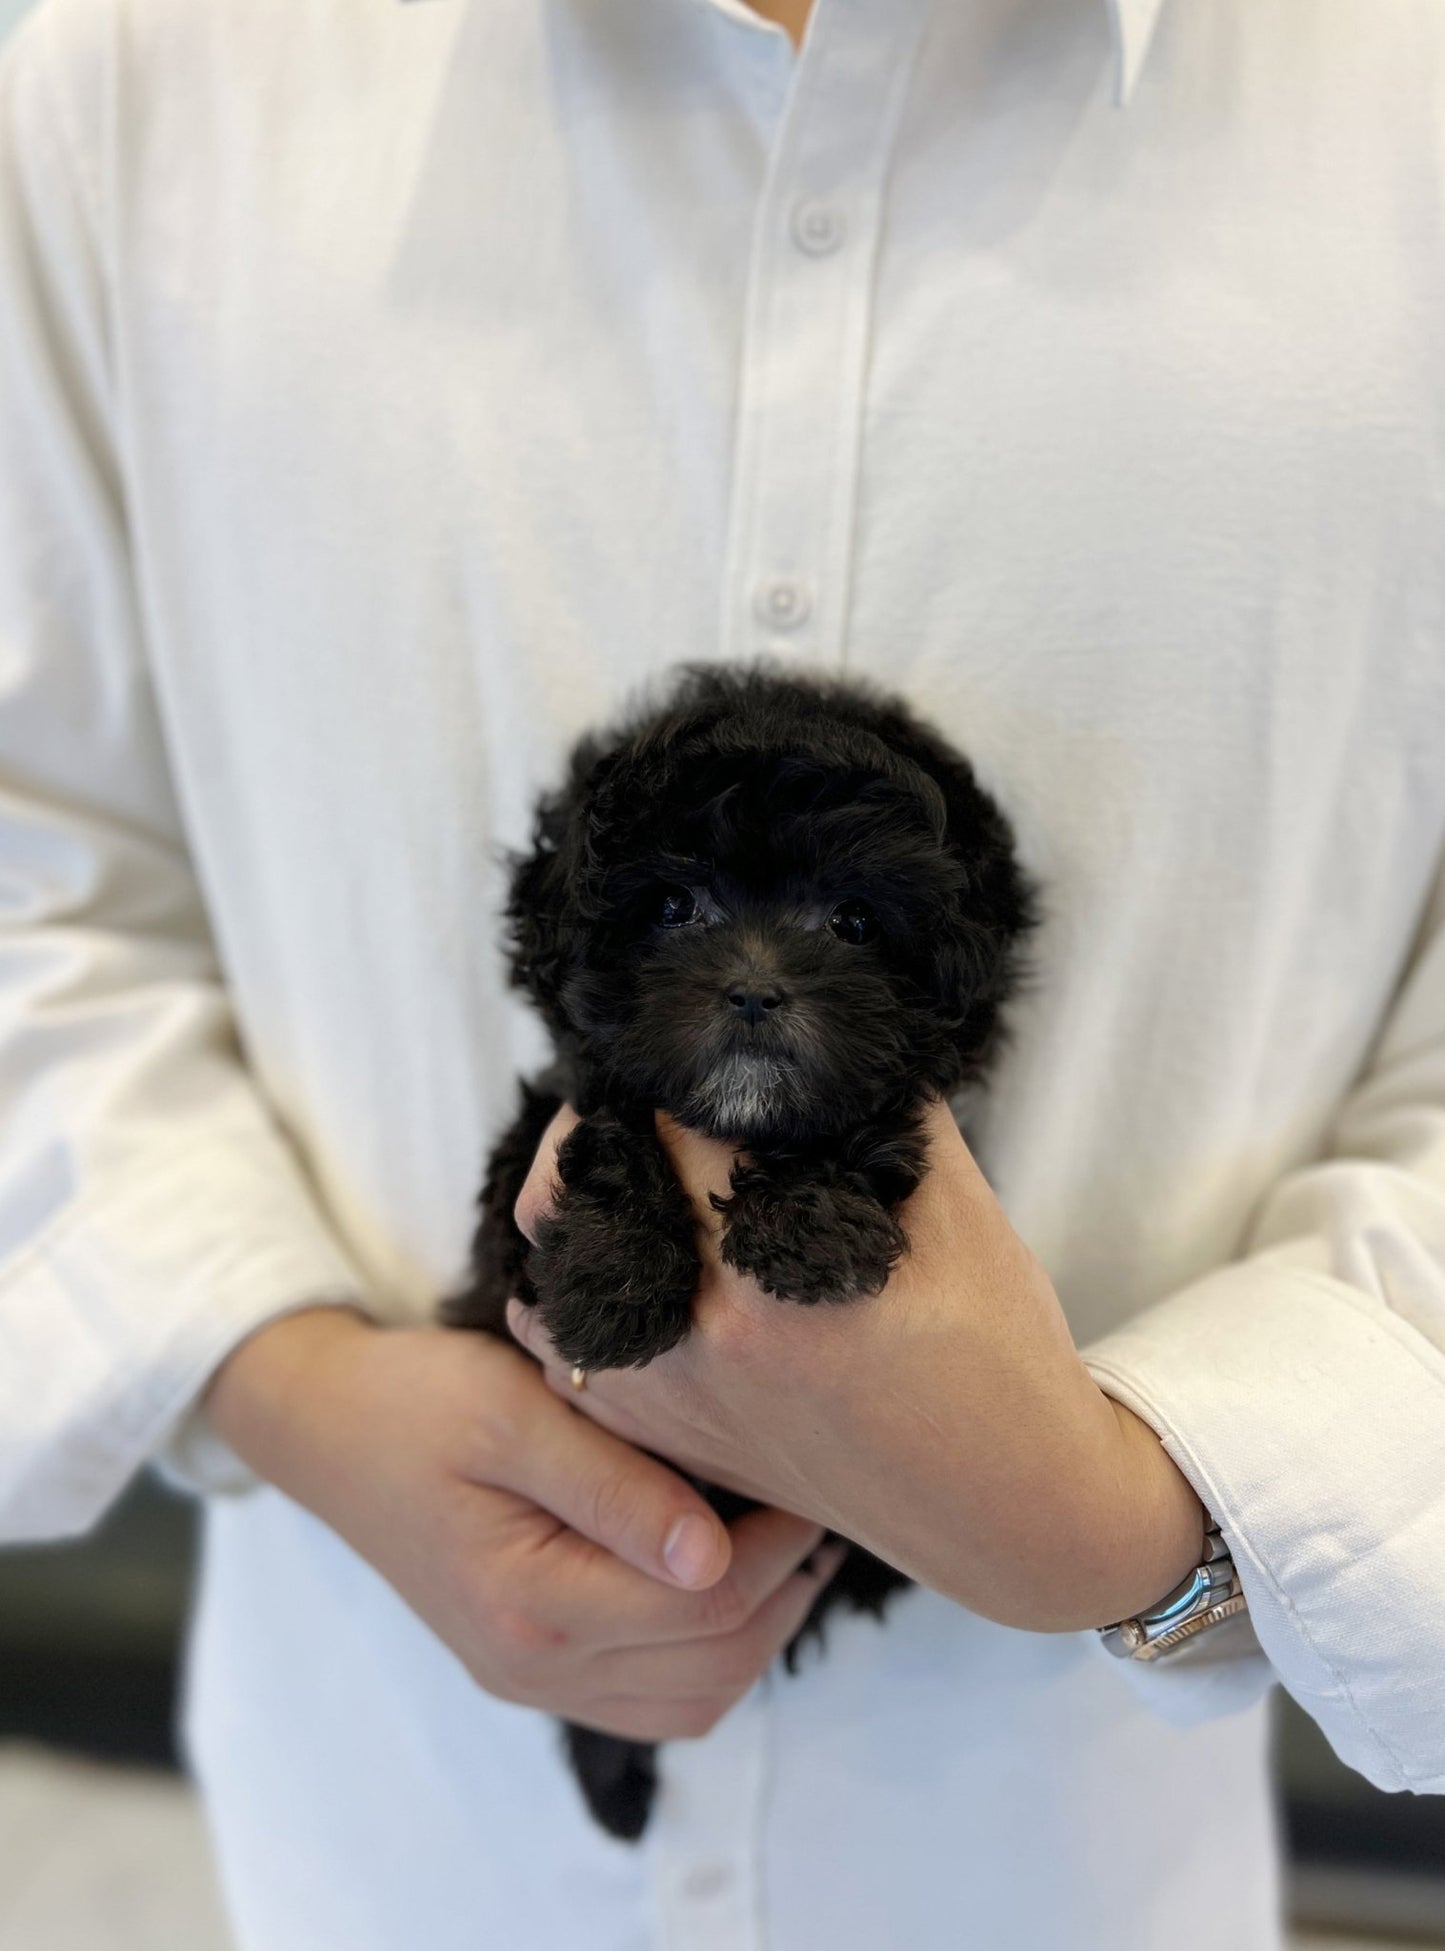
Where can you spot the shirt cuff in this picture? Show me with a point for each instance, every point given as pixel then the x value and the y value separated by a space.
pixel 113 1321
pixel 1310 1419
pixel 193 1458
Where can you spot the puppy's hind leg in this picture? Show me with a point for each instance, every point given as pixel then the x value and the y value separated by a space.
pixel 615 1266
pixel 618 1778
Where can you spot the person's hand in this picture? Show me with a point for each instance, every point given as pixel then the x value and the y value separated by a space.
pixel 566 1570
pixel 947 1424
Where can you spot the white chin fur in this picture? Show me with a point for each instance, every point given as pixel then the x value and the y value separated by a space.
pixel 740 1092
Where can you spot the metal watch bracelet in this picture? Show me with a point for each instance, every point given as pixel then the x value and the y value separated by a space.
pixel 1208 1596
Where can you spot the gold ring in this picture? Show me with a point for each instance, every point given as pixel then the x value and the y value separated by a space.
pixel 579 1376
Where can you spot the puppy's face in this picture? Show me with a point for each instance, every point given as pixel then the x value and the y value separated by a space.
pixel 771 930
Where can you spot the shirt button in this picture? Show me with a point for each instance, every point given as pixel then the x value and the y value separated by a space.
pixel 817 227
pixel 707 1880
pixel 782 603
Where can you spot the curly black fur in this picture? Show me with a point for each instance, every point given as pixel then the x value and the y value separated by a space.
pixel 787 914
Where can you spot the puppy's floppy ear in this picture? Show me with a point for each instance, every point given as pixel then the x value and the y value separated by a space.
pixel 980 963
pixel 537 910
pixel 553 899
pixel 998 907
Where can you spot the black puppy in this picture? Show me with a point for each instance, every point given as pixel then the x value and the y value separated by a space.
pixel 785 913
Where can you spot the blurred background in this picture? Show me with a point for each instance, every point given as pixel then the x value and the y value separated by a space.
pixel 102 1847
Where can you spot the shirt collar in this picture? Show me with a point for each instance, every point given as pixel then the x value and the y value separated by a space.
pixel 1132 23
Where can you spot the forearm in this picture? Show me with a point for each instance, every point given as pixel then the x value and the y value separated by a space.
pixel 1085 1521
pixel 277 1391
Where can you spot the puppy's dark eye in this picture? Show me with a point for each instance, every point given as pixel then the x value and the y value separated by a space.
pixel 854 922
pixel 677 908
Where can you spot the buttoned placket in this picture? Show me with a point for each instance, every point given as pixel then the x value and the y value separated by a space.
pixel 705 1835
pixel 804 362
pixel 809 318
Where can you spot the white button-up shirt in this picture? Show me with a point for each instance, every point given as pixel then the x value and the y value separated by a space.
pixel 386 390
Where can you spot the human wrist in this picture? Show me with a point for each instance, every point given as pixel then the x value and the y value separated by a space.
pixel 1107 1526
pixel 1159 1529
pixel 262 1400
pixel 1077 1520
pixel 1122 1526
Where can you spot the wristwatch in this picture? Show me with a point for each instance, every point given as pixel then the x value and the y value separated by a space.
pixel 1208 1596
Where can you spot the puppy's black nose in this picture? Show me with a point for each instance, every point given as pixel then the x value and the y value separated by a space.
pixel 753 1002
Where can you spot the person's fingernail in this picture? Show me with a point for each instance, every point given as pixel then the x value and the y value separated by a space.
pixel 690 1551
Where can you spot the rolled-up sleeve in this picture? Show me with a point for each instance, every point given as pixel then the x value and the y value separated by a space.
pixel 152 1213
pixel 1301 1390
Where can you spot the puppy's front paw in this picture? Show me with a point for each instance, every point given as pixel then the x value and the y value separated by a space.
pixel 610 1298
pixel 615 1265
pixel 810 1243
